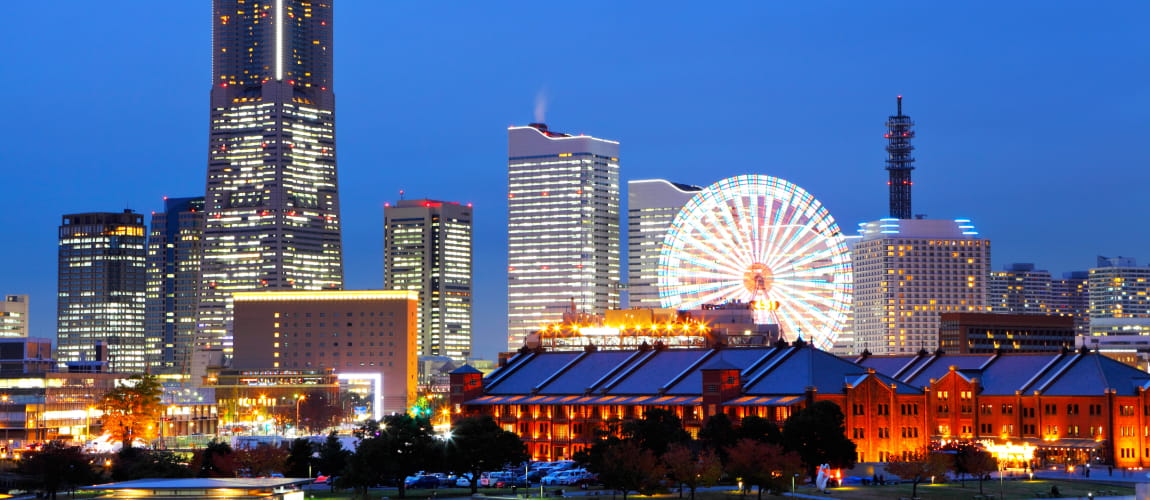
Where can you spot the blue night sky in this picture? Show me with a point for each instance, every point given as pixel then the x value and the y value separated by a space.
pixel 1032 116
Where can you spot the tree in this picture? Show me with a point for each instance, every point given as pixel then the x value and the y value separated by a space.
pixel 918 466
pixel 623 465
pixel 408 446
pixel 818 434
pixel 478 444
pixel 363 467
pixel 299 458
pixel 58 466
pixel 692 469
pixel 332 456
pixel 765 465
pixel 217 459
pixel 262 460
pixel 971 459
pixel 320 411
pixel 132 410
pixel 657 430
pixel 718 433
pixel 759 429
pixel 138 463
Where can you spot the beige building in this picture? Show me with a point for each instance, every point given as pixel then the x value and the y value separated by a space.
pixel 909 271
pixel 14 316
pixel 361 334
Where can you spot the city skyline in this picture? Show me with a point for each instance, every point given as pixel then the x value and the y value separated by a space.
pixel 1033 133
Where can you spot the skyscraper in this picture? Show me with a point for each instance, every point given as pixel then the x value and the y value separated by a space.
pixel 907 272
pixel 101 285
pixel 651 206
pixel 562 227
pixel 14 316
pixel 427 249
pixel 173 269
pixel 1071 295
pixel 271 200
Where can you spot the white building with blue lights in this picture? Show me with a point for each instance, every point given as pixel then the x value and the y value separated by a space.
pixel 907 272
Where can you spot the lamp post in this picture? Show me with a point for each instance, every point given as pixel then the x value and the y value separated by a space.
pixel 298 399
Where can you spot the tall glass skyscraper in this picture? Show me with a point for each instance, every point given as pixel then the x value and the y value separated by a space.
pixel 271 200
pixel 174 257
pixel 652 205
pixel 427 249
pixel 101 284
pixel 562 227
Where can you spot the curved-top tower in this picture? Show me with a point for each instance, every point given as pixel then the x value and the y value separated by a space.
pixel 899 162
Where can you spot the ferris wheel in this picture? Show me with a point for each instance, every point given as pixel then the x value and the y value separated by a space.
pixel 764 241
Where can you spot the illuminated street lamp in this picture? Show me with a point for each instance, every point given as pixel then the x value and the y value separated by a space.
pixel 298 399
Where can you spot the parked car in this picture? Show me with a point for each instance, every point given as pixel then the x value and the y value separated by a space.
pixel 422 482
pixel 462 482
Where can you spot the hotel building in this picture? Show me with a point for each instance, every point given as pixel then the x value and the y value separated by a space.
pixel 651 206
pixel 427 249
pixel 101 286
pixel 562 227
pixel 360 334
pixel 907 272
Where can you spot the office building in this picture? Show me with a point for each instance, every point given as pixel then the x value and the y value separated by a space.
pixel 562 227
pixel 272 205
pixel 1020 289
pixel 651 207
pixel 907 272
pixel 361 334
pixel 173 271
pixel 14 316
pixel 101 287
pixel 427 249
pixel 966 332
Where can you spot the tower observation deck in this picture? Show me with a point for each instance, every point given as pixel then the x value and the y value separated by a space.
pixel 899 162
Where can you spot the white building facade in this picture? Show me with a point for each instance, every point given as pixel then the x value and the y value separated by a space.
pixel 907 272
pixel 562 227
pixel 651 206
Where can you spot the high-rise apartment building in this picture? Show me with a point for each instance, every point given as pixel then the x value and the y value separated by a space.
pixel 1020 289
pixel 101 287
pixel 651 207
pixel 173 268
pixel 272 207
pixel 14 316
pixel 562 227
pixel 907 272
pixel 427 249
pixel 1119 292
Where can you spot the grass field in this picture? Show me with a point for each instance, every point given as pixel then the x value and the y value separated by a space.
pixel 1008 490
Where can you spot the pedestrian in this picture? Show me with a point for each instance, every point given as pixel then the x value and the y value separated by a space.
pixel 1110 470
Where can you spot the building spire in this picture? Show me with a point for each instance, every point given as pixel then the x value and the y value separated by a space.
pixel 899 162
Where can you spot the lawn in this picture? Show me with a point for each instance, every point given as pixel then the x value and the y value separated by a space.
pixel 1009 490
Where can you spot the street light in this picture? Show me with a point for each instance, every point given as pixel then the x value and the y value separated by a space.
pixel 298 399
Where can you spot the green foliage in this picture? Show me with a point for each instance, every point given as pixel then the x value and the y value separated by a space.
pixel 217 459
pixel 759 429
pixel 692 469
pixel 332 456
pixel 718 433
pixel 478 444
pixel 132 410
pixel 657 430
pixel 625 466
pixel 262 460
pixel 765 465
pixel 135 463
pixel 58 466
pixel 919 466
pixel 818 434
pixel 400 447
pixel 971 459
pixel 299 458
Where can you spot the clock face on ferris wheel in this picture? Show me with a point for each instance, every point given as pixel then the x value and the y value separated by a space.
pixel 761 240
